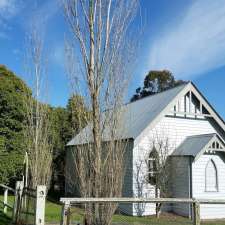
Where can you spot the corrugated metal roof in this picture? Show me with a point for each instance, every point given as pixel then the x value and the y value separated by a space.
pixel 135 116
pixel 193 145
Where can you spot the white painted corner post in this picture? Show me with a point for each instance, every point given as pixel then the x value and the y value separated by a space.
pixel 196 208
pixel 5 201
pixel 65 216
pixel 40 205
pixel 17 200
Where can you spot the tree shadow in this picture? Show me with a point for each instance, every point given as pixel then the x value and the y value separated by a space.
pixel 4 219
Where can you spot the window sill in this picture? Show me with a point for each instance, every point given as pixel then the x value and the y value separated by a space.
pixel 211 191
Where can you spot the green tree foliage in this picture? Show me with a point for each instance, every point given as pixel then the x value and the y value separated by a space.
pixel 60 132
pixel 65 124
pixel 12 118
pixel 10 167
pixel 155 82
pixel 78 113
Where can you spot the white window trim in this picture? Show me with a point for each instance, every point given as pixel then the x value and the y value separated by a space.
pixel 217 182
pixel 153 172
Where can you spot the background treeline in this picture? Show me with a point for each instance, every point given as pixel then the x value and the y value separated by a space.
pixel 12 126
pixel 64 123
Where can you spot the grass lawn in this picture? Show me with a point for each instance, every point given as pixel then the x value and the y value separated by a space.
pixel 4 220
pixel 53 214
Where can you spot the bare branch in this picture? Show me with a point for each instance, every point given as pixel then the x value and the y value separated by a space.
pixel 100 31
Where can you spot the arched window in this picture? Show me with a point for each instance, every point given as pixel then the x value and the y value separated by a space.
pixel 211 177
pixel 153 166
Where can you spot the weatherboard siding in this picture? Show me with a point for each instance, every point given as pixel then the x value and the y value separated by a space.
pixel 128 181
pixel 177 129
pixel 71 188
pixel 173 129
pixel 199 189
pixel 180 185
pixel 140 187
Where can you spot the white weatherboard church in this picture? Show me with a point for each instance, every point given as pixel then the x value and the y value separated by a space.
pixel 195 137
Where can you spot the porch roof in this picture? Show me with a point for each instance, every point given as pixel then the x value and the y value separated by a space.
pixel 199 144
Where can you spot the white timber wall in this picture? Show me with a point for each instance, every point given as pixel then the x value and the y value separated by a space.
pixel 71 188
pixel 199 187
pixel 171 129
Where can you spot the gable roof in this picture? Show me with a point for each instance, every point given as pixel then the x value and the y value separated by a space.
pixel 137 116
pixel 197 145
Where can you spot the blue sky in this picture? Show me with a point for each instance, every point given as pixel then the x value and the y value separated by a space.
pixel 184 36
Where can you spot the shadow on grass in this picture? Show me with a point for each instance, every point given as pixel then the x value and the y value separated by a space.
pixel 4 219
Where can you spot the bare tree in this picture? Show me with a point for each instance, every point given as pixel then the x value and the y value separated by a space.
pixel 162 173
pixel 37 132
pixel 153 166
pixel 102 39
pixel 140 185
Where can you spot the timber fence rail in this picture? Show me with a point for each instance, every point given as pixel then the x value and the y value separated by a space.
pixel 28 205
pixel 32 206
pixel 81 203
pixel 4 202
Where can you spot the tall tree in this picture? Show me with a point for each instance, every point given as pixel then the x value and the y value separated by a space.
pixel 38 137
pixel 66 122
pixel 100 30
pixel 77 114
pixel 61 133
pixel 12 118
pixel 155 82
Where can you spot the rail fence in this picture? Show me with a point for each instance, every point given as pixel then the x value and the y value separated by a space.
pixel 78 210
pixel 5 203
pixel 27 205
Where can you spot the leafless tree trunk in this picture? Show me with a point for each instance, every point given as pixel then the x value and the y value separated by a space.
pixel 37 132
pixel 140 184
pixel 100 34
pixel 161 144
pixel 163 173
pixel 152 171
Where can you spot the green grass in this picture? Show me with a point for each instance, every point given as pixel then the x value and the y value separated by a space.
pixel 53 214
pixel 4 220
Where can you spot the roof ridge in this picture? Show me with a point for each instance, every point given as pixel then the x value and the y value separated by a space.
pixel 158 93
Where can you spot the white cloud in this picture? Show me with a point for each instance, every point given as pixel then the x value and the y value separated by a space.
pixel 8 10
pixel 40 14
pixel 195 44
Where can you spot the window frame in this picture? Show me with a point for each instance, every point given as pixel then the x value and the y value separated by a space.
pixel 216 173
pixel 152 172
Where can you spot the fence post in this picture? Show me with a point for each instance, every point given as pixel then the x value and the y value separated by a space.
pixel 65 216
pixel 40 205
pixel 196 207
pixel 17 200
pixel 5 202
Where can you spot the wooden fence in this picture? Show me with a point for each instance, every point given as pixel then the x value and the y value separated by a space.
pixel 69 202
pixel 21 193
pixel 5 202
